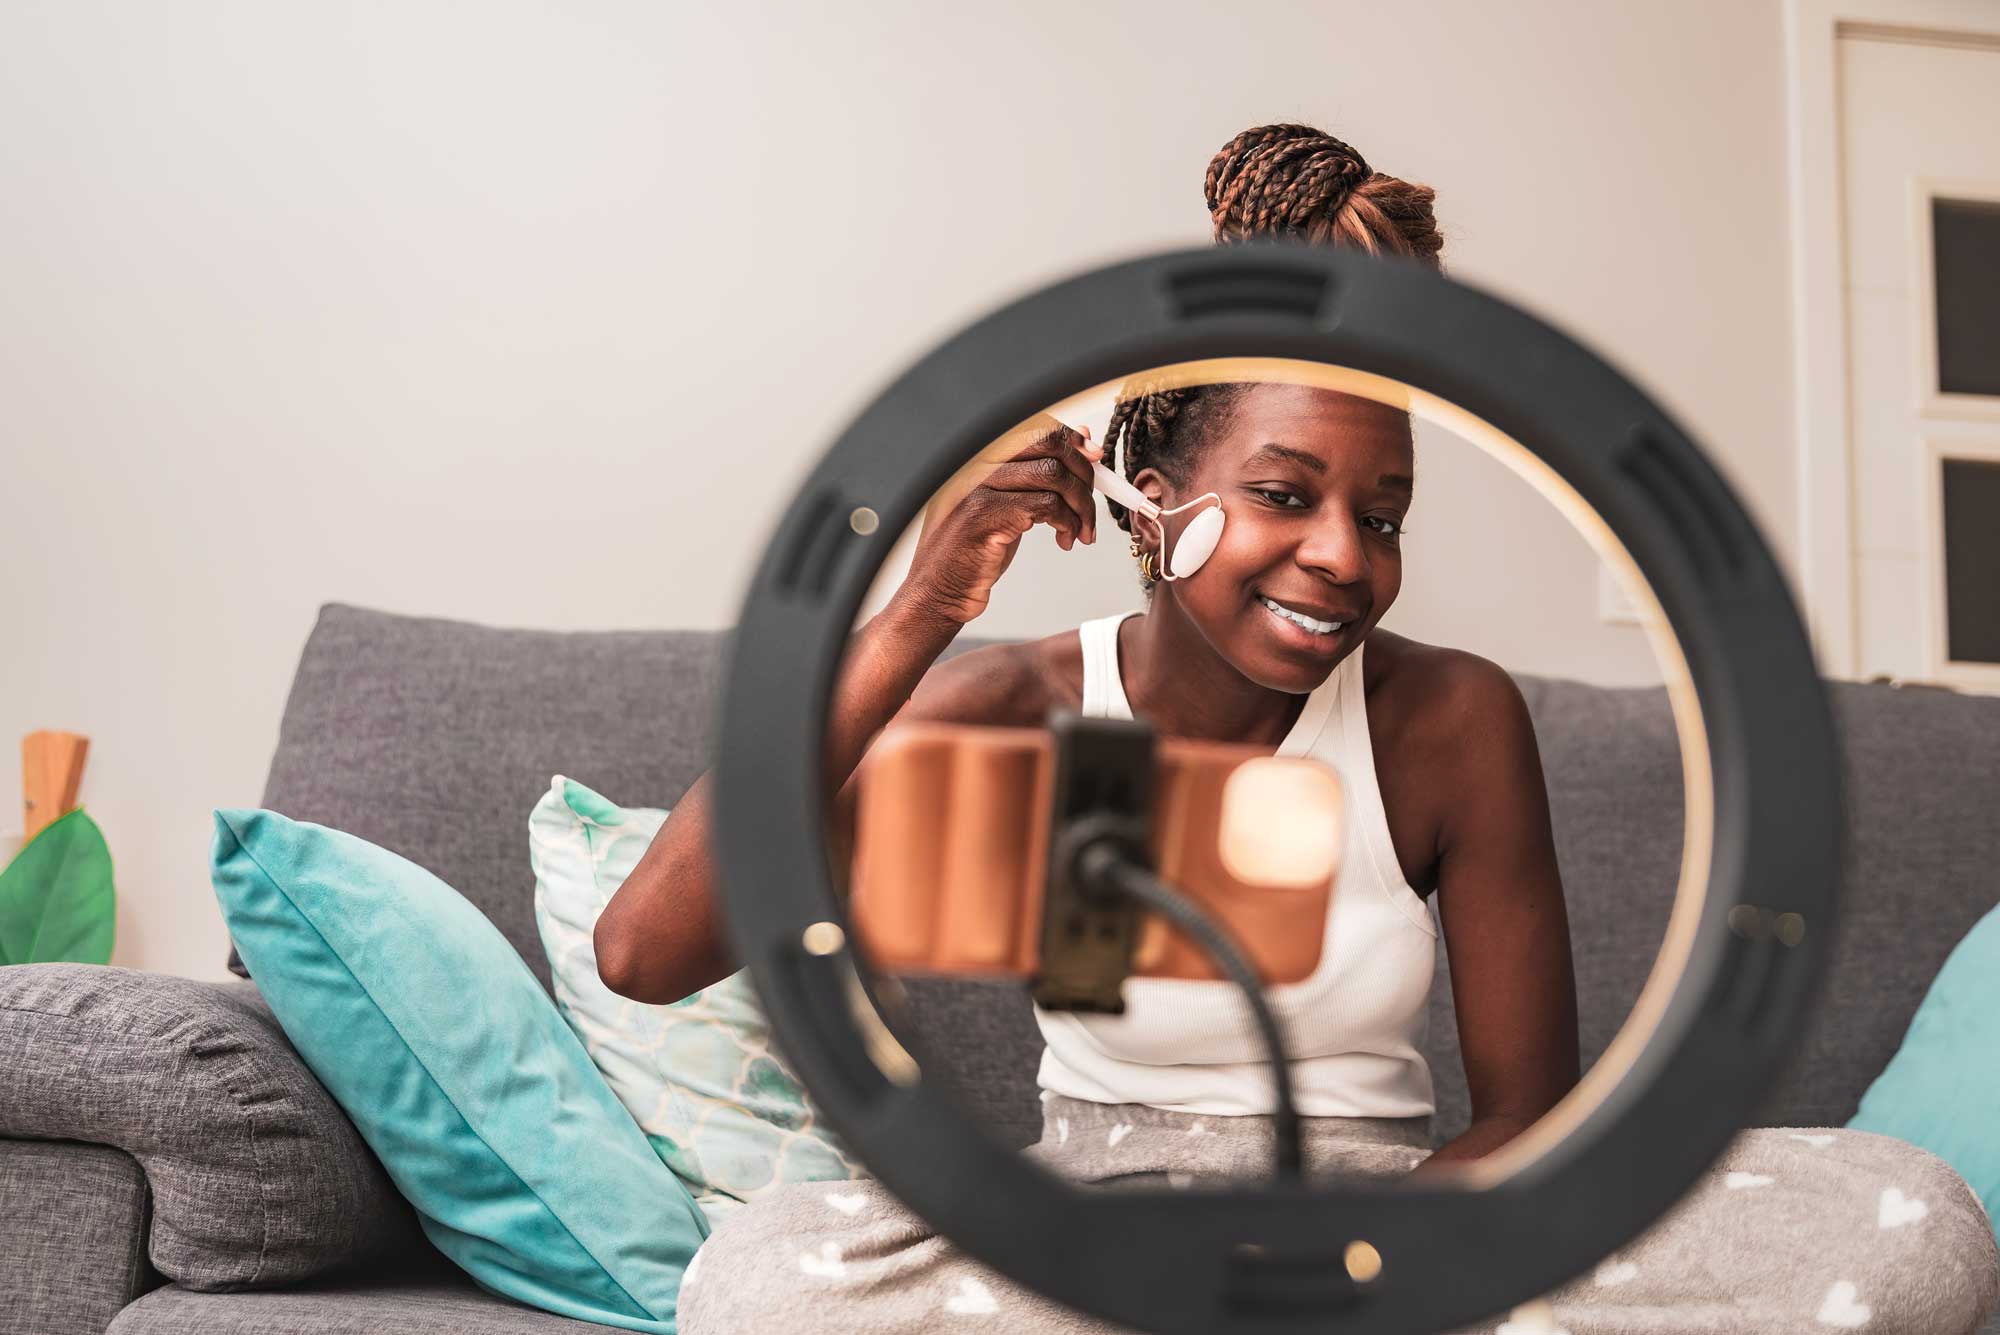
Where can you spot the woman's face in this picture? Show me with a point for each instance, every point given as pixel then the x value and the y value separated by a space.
pixel 1315 485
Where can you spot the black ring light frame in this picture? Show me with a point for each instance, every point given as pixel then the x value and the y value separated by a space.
pixel 1746 944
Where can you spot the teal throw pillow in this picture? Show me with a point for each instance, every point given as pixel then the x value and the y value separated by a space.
pixel 451 1060
pixel 1941 1091
pixel 699 1075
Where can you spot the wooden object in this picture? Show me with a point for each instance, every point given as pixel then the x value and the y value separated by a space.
pixel 951 846
pixel 51 773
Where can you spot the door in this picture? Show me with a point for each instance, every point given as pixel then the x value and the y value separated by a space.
pixel 1920 188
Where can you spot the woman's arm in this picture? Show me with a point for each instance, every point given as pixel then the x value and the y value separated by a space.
pixel 660 937
pixel 1500 901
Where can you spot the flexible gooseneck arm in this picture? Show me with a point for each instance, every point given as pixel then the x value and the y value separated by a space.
pixel 1105 868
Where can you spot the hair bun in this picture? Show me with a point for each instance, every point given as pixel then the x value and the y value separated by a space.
pixel 1275 180
pixel 1298 182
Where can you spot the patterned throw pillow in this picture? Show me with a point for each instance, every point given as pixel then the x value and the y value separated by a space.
pixel 699 1076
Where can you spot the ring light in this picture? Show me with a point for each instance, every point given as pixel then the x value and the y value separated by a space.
pixel 1746 943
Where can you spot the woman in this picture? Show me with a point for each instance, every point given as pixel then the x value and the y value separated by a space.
pixel 1316 485
pixel 1273 641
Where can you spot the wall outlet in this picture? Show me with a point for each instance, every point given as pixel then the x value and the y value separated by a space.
pixel 1613 607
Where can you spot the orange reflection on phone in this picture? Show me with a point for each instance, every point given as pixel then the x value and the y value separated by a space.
pixel 951 852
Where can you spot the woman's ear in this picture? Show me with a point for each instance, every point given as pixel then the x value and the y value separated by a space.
pixel 1153 486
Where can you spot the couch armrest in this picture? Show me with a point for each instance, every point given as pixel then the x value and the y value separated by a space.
pixel 256 1176
pixel 72 1236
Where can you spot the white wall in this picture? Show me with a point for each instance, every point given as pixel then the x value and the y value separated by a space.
pixel 533 314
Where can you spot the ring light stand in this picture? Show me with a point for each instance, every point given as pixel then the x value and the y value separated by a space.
pixel 1750 931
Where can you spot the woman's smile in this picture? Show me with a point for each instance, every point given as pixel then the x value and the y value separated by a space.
pixel 1298 631
pixel 1314 484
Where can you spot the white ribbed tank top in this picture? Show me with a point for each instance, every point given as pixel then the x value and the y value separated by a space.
pixel 1355 1026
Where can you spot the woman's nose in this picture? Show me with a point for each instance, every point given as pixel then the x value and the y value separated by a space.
pixel 1336 549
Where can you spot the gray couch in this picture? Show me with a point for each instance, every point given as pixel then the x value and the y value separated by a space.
pixel 168 1165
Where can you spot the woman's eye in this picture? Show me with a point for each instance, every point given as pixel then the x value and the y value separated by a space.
pixel 1283 497
pixel 1392 528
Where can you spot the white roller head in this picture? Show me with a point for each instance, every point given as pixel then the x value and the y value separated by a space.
pixel 1121 491
pixel 1197 540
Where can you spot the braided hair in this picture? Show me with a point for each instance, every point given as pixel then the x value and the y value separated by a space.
pixel 1269 181
pixel 1295 181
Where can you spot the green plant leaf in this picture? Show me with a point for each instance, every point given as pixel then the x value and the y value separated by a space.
pixel 56 900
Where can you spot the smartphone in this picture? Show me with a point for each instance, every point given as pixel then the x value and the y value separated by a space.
pixel 951 837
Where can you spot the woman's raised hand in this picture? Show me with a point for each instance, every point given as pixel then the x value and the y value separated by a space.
pixel 1038 473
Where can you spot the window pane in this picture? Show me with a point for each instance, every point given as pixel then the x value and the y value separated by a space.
pixel 1972 560
pixel 1965 239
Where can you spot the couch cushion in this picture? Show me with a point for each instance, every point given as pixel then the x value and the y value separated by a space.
pixel 1923 840
pixel 72 1236
pixel 256 1175
pixel 403 1305
pixel 430 738
pixel 1924 833
pixel 465 722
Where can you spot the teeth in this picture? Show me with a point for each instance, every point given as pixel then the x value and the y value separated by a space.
pixel 1300 618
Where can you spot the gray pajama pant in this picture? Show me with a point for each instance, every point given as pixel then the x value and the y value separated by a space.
pixel 1792 1230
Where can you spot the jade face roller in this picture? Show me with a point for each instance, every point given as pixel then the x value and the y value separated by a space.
pixel 1197 540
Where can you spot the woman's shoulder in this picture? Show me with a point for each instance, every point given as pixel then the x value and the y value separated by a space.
pixel 1450 733
pixel 1005 685
pixel 1431 692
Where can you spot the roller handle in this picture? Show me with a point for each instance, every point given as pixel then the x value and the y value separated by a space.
pixel 1118 489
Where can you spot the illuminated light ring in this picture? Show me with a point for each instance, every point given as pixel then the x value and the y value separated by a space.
pixel 1746 943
